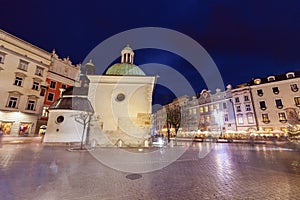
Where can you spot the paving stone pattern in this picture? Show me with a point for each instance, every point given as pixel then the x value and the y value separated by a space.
pixel 229 171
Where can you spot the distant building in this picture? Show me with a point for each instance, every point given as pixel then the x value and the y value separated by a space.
pixel 243 108
pixel 272 95
pixel 23 72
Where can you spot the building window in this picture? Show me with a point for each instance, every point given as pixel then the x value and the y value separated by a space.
pixel 282 117
pixel 294 87
pixel 217 106
pixel 237 100
pixel 246 98
pixel 262 105
pixel 260 92
pixel 275 90
pixel 30 105
pixel 207 119
pixel 201 109
pixel 2 57
pixel 12 102
pixel 271 78
pixel 52 84
pixel 238 109
pixel 265 118
pixel 206 108
pixel 226 119
pixel 224 106
pixel 290 75
pixel 211 107
pixel 50 97
pixel 248 107
pixel 18 81
pixel 45 112
pixel 35 85
pixel 43 92
pixel 23 65
pixel 240 119
pixel 63 86
pixel 278 103
pixel 39 71
pixel 250 118
pixel 297 101
pixel 194 111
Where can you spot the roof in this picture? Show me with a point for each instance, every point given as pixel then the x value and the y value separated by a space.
pixel 279 77
pixel 125 69
pixel 73 103
pixel 82 91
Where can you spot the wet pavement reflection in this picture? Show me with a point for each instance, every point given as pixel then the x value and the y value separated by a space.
pixel 204 171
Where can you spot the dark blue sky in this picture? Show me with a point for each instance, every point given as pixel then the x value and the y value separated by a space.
pixel 244 38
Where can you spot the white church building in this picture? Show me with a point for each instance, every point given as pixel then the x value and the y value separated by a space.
pixel 121 100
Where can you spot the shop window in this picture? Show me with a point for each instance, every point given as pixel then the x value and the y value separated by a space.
pixel 24 128
pixel 260 92
pixel 6 127
pixel 265 118
pixel 278 103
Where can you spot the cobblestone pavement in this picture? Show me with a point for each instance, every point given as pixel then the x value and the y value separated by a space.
pixel 229 171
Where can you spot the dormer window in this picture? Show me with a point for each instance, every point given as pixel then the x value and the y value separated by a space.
pixel 290 75
pixel 271 78
pixel 257 81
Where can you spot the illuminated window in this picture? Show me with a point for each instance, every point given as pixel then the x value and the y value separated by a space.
pixel 45 112
pixel 275 90
pixel 194 111
pixel 207 119
pixel 278 103
pixel 206 108
pixel 263 105
pixel 23 65
pixel 260 92
pixel 217 106
pixel 294 87
pixel 211 107
pixel 265 118
pixel 248 107
pixel 250 118
pixel 240 119
pixel 282 117
pixel 201 109
pixel 297 101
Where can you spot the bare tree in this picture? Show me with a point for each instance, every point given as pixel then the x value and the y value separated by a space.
pixel 294 122
pixel 84 119
pixel 173 118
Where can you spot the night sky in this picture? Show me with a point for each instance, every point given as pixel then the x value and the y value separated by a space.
pixel 244 38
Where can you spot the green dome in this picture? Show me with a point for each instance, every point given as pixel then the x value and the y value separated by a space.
pixel 125 69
